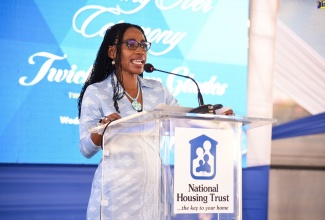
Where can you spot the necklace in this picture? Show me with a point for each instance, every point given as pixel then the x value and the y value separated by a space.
pixel 135 104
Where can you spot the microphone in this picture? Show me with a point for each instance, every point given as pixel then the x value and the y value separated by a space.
pixel 149 68
pixel 202 109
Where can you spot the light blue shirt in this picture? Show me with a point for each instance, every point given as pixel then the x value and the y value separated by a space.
pixel 130 178
pixel 97 103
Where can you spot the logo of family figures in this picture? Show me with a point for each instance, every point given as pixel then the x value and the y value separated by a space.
pixel 203 157
pixel 321 4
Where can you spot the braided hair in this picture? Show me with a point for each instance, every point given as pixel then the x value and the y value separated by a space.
pixel 103 66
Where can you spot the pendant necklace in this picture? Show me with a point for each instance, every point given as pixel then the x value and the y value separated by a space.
pixel 135 104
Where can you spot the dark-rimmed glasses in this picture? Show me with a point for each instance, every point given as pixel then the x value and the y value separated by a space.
pixel 133 44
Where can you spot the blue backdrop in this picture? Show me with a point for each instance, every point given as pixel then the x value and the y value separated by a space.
pixel 48 47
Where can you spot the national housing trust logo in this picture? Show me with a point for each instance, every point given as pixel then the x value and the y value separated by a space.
pixel 204 171
pixel 203 157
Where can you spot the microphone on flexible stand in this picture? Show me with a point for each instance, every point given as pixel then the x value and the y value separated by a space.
pixel 149 68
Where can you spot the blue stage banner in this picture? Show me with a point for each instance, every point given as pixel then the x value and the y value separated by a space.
pixel 48 48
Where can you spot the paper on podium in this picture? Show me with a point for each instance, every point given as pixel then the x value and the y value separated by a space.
pixel 170 108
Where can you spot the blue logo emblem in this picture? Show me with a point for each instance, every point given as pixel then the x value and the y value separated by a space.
pixel 203 157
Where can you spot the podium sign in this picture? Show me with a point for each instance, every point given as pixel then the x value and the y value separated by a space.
pixel 158 164
pixel 204 172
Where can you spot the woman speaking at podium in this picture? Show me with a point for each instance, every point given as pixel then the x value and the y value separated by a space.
pixel 115 89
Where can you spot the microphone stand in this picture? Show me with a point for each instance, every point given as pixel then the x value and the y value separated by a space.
pixel 199 94
pixel 202 107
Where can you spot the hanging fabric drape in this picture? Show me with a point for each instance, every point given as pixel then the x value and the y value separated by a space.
pixel 314 124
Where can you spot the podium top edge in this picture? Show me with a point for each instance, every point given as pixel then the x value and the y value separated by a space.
pixel 247 122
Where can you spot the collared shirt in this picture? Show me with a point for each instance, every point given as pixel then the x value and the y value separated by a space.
pixel 97 103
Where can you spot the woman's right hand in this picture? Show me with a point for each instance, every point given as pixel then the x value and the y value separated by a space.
pixel 97 138
pixel 109 118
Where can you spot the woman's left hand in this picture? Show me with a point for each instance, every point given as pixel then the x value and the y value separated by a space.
pixel 229 112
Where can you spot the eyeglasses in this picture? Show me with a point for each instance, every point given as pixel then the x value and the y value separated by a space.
pixel 133 44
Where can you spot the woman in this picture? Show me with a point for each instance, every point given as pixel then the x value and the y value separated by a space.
pixel 113 90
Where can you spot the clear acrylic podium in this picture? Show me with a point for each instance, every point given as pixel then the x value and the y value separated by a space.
pixel 159 164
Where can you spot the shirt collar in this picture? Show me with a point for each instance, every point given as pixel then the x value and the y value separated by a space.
pixel 144 83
